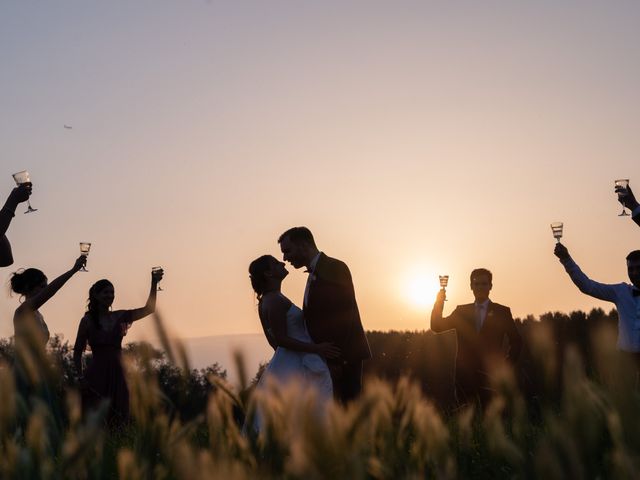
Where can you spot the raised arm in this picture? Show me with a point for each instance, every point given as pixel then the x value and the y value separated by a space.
pixel 438 322
pixel 628 199
pixel 275 311
pixel 150 306
pixel 52 288
pixel 18 194
pixel 81 344
pixel 587 286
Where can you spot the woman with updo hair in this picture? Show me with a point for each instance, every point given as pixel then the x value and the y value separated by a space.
pixel 103 329
pixel 296 357
pixel 31 284
pixel 31 366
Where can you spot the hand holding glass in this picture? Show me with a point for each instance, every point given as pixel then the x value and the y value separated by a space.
pixel 84 250
pixel 22 178
pixel 158 271
pixel 556 228
pixel 444 281
pixel 621 187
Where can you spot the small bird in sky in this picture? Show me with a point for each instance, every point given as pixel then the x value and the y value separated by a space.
pixel 68 127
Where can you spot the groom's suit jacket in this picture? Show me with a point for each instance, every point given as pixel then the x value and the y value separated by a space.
pixel 331 311
pixel 477 350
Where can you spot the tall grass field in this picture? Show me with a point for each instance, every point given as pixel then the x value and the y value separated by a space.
pixel 578 418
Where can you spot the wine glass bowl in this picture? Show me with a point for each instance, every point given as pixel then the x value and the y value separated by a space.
pixel 556 228
pixel 444 281
pixel 22 178
pixel 621 188
pixel 84 250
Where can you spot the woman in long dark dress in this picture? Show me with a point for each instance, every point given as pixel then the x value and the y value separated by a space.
pixel 103 330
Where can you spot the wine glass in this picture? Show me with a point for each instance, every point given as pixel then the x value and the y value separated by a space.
pixel 622 183
pixel 444 281
pixel 20 179
pixel 556 228
pixel 154 270
pixel 84 250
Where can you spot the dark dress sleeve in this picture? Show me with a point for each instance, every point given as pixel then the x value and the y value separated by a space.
pixel 126 316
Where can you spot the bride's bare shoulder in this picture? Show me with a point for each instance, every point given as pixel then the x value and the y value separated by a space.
pixel 274 300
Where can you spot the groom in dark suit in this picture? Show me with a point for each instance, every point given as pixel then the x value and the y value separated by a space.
pixel 330 309
pixel 481 328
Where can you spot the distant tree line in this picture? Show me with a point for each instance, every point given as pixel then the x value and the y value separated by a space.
pixel 185 395
pixel 426 357
pixel 429 358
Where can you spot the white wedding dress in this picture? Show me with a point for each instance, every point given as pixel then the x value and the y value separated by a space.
pixel 289 365
pixel 292 366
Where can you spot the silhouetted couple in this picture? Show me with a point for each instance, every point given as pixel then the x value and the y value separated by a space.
pixel 323 343
pixel 481 328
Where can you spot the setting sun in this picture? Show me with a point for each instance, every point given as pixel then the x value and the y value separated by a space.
pixel 421 289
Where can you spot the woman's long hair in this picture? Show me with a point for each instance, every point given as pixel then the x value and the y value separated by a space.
pixel 257 270
pixel 92 302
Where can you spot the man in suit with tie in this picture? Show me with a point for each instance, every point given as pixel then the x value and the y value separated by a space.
pixel 330 309
pixel 480 328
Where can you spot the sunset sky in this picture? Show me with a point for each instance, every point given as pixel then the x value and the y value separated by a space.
pixel 413 138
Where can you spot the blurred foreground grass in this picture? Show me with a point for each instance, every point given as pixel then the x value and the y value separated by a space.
pixel 585 428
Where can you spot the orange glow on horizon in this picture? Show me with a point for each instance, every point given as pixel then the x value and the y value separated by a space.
pixel 420 289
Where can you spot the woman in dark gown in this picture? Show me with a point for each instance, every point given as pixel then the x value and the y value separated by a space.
pixel 103 330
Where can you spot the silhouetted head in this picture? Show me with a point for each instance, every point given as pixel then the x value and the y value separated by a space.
pixel 266 273
pixel 298 246
pixel 28 282
pixel 101 295
pixel 633 267
pixel 481 283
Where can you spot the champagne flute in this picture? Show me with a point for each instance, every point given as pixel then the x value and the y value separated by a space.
pixel 20 179
pixel 556 228
pixel 154 270
pixel 84 250
pixel 444 281
pixel 622 183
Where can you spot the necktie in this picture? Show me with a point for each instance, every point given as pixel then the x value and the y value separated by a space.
pixel 478 317
pixel 306 288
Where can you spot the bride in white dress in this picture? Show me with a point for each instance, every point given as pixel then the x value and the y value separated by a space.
pixel 296 357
